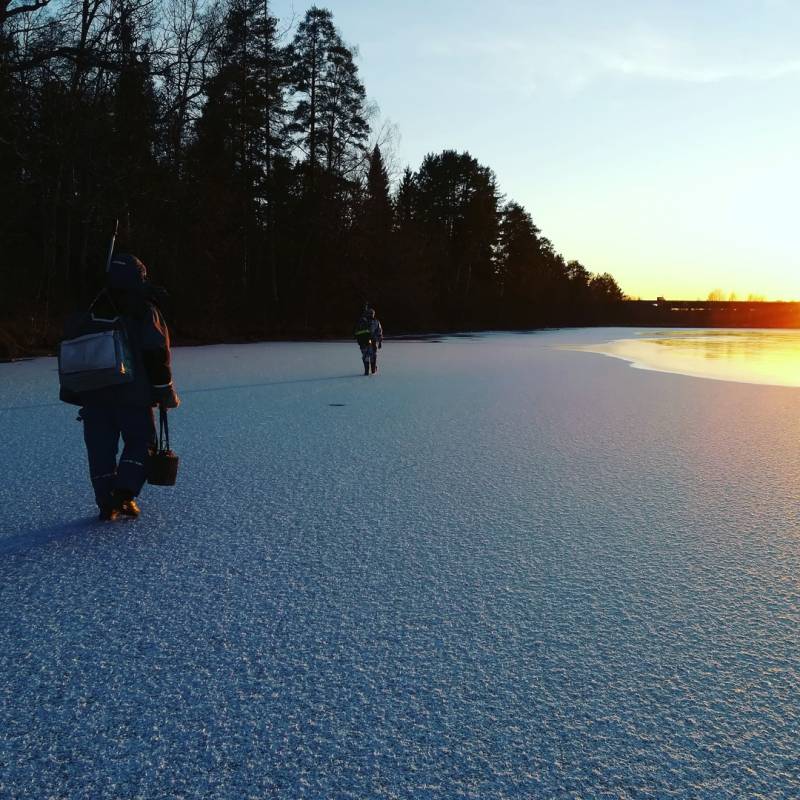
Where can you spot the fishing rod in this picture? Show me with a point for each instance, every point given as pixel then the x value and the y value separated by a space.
pixel 111 246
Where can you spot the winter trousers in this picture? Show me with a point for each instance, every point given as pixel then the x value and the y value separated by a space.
pixel 102 428
pixel 369 355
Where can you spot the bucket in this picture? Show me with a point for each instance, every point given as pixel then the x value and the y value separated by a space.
pixel 162 468
pixel 162 464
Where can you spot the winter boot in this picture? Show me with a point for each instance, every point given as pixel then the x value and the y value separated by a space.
pixel 108 513
pixel 125 504
pixel 366 368
pixel 130 508
pixel 374 367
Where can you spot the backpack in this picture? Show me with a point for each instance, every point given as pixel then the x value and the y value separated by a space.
pixel 95 352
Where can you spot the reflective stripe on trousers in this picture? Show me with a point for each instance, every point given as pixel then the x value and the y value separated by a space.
pixel 102 428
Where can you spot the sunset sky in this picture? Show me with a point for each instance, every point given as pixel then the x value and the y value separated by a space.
pixel 658 140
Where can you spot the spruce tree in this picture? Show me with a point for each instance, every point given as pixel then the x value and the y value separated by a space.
pixel 241 137
pixel 517 258
pixel 405 201
pixel 376 227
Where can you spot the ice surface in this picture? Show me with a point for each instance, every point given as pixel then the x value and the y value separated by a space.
pixel 497 569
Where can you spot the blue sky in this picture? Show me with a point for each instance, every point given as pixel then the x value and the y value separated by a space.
pixel 654 140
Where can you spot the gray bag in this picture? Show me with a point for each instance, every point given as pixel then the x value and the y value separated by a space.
pixel 95 360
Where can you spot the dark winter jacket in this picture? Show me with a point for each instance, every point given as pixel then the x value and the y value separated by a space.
pixel 368 329
pixel 361 331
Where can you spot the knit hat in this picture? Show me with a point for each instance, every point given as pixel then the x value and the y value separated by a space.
pixel 126 272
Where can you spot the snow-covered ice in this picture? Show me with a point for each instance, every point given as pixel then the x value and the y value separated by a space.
pixel 497 569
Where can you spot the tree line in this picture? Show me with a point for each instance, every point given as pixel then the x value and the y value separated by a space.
pixel 247 170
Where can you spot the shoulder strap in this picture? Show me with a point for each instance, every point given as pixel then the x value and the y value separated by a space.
pixel 113 306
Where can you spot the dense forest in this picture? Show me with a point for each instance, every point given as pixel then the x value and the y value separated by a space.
pixel 248 171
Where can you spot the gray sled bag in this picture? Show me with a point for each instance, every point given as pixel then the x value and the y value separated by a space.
pixel 96 358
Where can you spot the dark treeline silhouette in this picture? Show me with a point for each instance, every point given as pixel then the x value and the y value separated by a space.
pixel 708 313
pixel 238 157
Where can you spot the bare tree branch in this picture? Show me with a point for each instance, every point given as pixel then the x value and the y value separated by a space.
pixel 7 10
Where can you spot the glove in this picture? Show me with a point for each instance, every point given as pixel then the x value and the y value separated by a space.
pixel 379 345
pixel 166 397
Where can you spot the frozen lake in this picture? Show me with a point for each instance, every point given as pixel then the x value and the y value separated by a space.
pixel 498 569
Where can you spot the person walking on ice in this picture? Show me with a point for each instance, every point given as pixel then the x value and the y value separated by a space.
pixel 369 335
pixel 125 409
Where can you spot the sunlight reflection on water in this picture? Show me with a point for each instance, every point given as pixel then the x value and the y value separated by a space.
pixel 769 357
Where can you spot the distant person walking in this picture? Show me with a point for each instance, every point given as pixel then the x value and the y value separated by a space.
pixel 125 409
pixel 369 335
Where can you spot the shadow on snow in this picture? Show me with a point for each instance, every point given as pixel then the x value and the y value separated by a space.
pixel 19 543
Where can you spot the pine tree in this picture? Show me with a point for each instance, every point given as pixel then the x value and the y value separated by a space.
pixel 605 289
pixel 343 112
pixel 457 206
pixel 329 130
pixel 329 120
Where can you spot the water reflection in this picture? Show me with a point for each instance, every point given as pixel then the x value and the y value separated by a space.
pixel 750 356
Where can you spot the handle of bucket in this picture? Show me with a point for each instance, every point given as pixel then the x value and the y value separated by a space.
pixel 163 428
